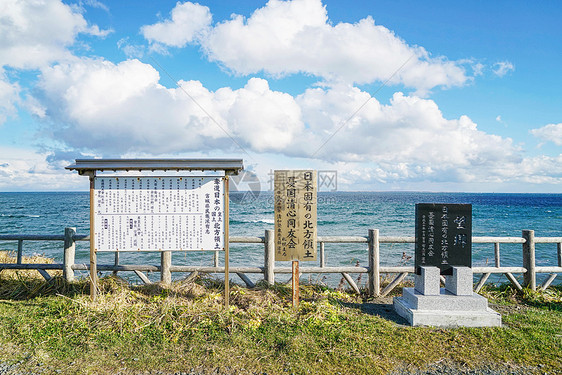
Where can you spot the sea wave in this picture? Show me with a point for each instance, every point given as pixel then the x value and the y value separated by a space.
pixel 327 222
pixel 265 221
pixel 18 216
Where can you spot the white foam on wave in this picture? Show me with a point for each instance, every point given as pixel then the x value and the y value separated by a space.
pixel 18 215
pixel 266 221
pixel 252 221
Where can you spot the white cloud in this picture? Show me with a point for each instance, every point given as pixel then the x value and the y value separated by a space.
pixel 478 69
pixel 541 170
pixel 116 108
pixel 550 133
pixel 8 97
pixel 288 37
pixel 266 120
pixel 95 4
pixel 132 51
pixel 541 173
pixel 96 31
pixel 113 109
pixel 102 108
pixel 27 170
pixel 187 22
pixel 407 138
pixel 502 68
pixel 35 33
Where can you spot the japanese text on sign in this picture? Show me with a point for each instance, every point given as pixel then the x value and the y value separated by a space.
pixel 159 213
pixel 295 215
pixel 443 235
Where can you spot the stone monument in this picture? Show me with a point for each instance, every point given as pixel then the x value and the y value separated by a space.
pixel 443 247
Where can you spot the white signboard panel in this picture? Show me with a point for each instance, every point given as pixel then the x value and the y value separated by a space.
pixel 159 213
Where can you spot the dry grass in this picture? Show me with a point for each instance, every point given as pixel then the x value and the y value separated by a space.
pixel 10 257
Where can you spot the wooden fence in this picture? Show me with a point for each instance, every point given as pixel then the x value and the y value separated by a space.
pixel 529 269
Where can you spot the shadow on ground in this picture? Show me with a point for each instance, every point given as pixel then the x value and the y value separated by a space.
pixel 382 308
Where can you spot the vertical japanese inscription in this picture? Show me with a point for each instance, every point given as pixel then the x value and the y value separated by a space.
pixel 443 236
pixel 295 214
pixel 159 213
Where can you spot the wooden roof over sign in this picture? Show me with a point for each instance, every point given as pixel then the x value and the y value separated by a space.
pixel 85 166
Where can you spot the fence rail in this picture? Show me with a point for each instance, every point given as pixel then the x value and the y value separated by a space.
pixel 529 270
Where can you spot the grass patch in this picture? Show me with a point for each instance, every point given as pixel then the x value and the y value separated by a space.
pixel 10 257
pixel 146 329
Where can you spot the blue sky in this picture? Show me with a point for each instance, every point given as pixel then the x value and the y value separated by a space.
pixel 394 95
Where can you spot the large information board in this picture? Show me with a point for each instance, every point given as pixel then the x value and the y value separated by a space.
pixel 159 213
pixel 443 236
pixel 295 215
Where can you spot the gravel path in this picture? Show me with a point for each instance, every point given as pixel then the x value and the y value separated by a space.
pixel 447 369
pixel 7 369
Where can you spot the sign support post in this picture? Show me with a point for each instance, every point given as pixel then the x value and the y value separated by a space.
pixel 93 255
pixel 226 246
pixel 295 284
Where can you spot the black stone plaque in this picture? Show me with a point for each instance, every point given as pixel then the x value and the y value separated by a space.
pixel 443 236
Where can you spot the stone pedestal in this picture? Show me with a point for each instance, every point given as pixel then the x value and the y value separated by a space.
pixel 427 283
pixel 456 305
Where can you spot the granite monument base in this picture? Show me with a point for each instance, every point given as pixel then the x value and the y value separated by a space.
pixel 456 305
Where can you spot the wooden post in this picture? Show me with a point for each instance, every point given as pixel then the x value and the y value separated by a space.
pixel 226 243
pixel 559 254
pixel 269 256
pixel 548 281
pixel 295 284
pixel 116 262
pixel 374 270
pixel 69 254
pixel 93 255
pixel 513 280
pixel 20 252
pixel 497 253
pixel 249 283
pixel 481 282
pixel 165 264
pixel 397 280
pixel 351 282
pixel 530 277
pixel 142 276
pixel 322 258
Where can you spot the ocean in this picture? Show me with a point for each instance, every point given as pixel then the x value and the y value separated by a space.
pixel 339 213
